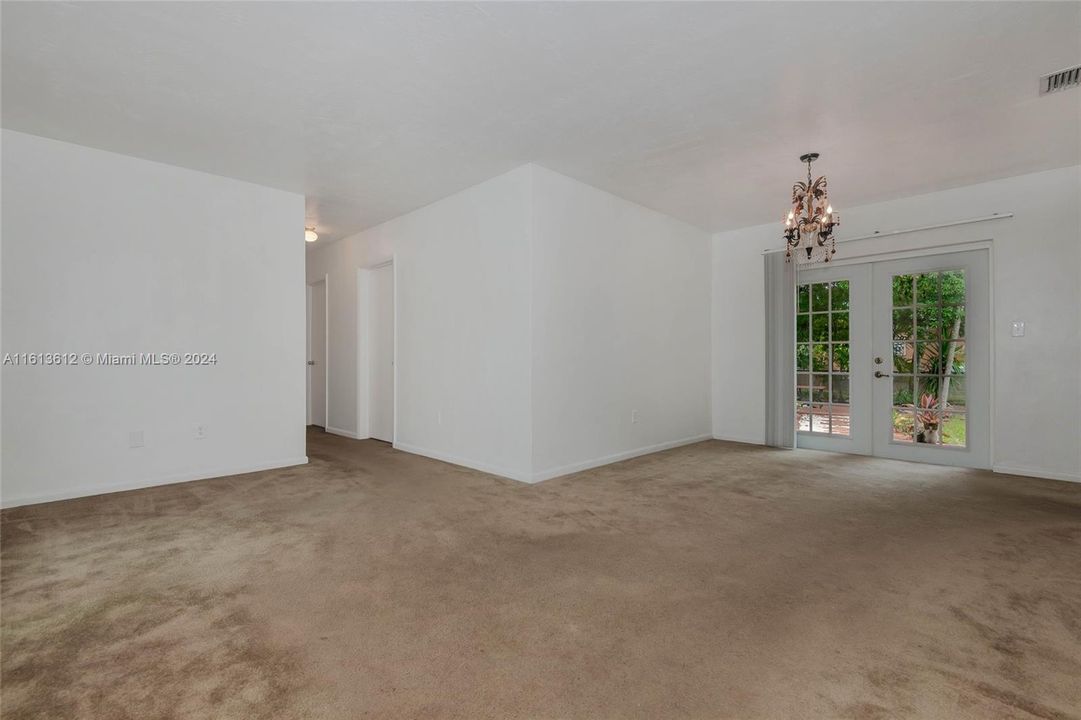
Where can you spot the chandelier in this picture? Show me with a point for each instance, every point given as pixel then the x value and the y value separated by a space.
pixel 809 225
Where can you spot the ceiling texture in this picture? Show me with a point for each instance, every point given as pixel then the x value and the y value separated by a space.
pixel 698 110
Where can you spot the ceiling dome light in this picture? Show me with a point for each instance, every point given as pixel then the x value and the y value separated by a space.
pixel 310 235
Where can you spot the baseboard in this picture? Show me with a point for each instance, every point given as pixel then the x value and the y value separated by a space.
pixel 464 462
pixel 343 433
pixel 616 457
pixel 746 440
pixel 1037 473
pixel 139 484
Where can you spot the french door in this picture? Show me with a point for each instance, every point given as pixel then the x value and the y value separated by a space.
pixel 893 359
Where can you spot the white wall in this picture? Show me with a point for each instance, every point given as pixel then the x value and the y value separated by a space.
pixel 462 353
pixel 738 334
pixel 1036 277
pixel 534 313
pixel 462 309
pixel 109 253
pixel 620 319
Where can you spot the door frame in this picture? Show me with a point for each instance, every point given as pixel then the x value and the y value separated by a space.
pixel 917 250
pixel 310 289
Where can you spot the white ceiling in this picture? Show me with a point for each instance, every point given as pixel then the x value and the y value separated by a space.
pixel 698 110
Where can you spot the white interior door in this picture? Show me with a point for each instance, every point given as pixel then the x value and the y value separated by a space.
pixel 381 358
pixel 893 359
pixel 317 345
pixel 932 386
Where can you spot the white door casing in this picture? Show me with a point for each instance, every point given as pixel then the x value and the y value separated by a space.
pixel 877 404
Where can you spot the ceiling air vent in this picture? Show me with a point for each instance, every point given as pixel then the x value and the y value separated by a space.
pixel 1068 78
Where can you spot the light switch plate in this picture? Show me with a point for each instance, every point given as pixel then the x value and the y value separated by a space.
pixel 1017 328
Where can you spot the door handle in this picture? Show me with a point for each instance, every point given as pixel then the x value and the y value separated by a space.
pixel 880 374
pixel 311 362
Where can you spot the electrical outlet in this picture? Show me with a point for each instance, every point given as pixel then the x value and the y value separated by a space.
pixel 135 439
pixel 634 416
pixel 200 432
pixel 1017 328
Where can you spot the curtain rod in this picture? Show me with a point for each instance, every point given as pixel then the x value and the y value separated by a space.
pixel 889 233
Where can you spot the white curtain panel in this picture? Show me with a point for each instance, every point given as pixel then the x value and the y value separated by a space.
pixel 780 351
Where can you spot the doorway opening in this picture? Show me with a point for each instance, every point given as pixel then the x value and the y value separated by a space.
pixel 317 354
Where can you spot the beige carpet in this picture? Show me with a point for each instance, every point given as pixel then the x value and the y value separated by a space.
pixel 712 581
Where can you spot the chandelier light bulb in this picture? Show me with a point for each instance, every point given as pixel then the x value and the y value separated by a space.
pixel 829 209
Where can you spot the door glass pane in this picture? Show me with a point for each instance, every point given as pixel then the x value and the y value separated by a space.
pixel 953 389
pixel 839 390
pixel 928 323
pixel 953 357
pixel 953 430
pixel 953 287
pixel 928 357
pixel 840 357
pixel 838 326
pixel 928 423
pixel 930 404
pixel 839 405
pixel 902 324
pixel 941 357
pixel 803 397
pixel 839 295
pixel 902 390
pixel 840 421
pixel 953 322
pixel 927 289
pixel 903 424
pixel 902 290
pixel 822 334
pixel 902 356
pixel 803 357
pixel 926 385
